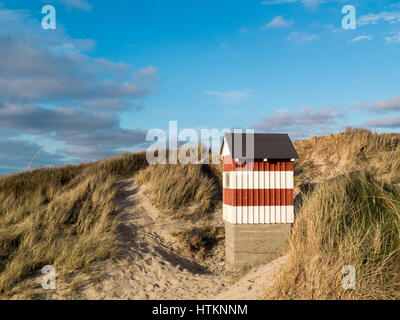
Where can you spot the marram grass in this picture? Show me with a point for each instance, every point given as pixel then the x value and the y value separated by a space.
pixel 353 220
pixel 63 216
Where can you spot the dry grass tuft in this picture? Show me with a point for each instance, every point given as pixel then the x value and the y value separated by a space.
pixel 200 240
pixel 353 149
pixel 63 216
pixel 350 220
pixel 186 191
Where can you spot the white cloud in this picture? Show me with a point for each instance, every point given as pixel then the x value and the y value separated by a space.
pixel 393 39
pixel 308 3
pixel 230 97
pixel 278 22
pixel 301 37
pixel 371 18
pixel 270 2
pixel 360 38
pixel 77 4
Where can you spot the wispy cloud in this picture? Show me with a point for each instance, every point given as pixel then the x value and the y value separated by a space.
pixel 300 124
pixel 301 37
pixel 361 38
pixel 243 30
pixel 278 22
pixel 395 38
pixel 230 97
pixel 308 3
pixel 76 4
pixel 384 105
pixel 271 2
pixel 372 18
pixel 389 122
pixel 381 106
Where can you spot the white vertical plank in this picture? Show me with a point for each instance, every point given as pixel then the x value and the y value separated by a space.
pixel 251 215
pixel 267 214
pixel 256 213
pixel 289 179
pixel 239 181
pixel 272 214
pixel 251 208
pixel 241 187
pixel 277 179
pixel 257 208
pixel 283 180
pixel 266 175
pixel 262 210
pixel 290 210
pixel 250 175
pixel 278 207
pixel 278 213
pixel 256 179
pixel 283 214
pixel 245 180
pixel 244 214
pixel 271 184
pixel 283 198
pixel 233 180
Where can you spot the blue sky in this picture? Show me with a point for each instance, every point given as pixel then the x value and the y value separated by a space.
pixel 114 69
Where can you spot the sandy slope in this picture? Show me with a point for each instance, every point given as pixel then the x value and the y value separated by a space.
pixel 151 263
pixel 254 285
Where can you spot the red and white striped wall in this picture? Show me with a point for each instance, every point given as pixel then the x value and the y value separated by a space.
pixel 258 192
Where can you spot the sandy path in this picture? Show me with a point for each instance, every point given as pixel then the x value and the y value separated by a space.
pixel 149 266
pixel 152 264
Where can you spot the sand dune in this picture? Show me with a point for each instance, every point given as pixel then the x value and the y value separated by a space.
pixel 151 263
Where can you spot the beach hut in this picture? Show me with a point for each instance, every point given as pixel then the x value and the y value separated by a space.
pixel 258 204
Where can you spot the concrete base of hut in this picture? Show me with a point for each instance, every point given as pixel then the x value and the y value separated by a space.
pixel 253 243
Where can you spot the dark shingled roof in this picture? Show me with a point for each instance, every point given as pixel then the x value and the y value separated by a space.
pixel 266 146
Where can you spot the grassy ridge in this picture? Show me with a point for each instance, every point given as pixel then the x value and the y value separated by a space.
pixel 353 149
pixel 61 216
pixel 350 220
